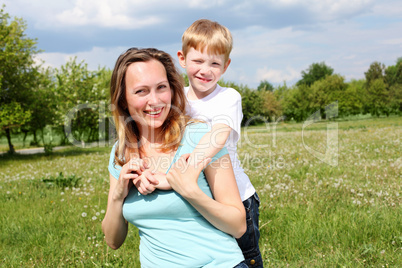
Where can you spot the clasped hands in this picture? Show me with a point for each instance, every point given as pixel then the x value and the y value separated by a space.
pixel 182 176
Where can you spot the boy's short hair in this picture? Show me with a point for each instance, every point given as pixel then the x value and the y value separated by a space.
pixel 203 34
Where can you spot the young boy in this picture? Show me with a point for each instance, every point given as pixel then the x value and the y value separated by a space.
pixel 206 47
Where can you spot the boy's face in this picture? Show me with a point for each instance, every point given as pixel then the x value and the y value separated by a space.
pixel 203 70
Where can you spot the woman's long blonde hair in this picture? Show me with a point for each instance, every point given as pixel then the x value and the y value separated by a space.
pixel 127 130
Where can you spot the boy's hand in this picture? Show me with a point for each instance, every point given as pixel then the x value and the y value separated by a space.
pixel 163 183
pixel 146 182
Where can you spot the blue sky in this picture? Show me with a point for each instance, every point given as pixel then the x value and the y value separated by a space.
pixel 274 40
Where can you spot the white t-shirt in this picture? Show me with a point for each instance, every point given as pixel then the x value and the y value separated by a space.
pixel 223 105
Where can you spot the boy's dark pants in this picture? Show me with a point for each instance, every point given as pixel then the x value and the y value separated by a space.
pixel 249 241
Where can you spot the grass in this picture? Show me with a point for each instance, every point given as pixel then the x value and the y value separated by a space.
pixel 312 214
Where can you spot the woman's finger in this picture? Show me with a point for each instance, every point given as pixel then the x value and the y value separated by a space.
pixel 150 177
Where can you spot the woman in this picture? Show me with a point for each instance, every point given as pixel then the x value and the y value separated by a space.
pixel 180 224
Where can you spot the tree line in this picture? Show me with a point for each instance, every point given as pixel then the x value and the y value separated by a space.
pixel 71 101
pixel 380 93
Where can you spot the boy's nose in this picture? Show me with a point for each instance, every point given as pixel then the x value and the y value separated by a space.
pixel 204 69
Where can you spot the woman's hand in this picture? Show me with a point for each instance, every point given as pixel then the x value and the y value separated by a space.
pixel 183 176
pixel 129 172
pixel 147 182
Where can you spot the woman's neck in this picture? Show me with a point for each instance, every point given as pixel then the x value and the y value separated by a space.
pixel 150 135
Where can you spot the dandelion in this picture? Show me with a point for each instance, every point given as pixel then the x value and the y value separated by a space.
pixel 97 213
pixel 103 211
pixel 94 218
pixel 84 214
pixel 62 193
pixel 382 251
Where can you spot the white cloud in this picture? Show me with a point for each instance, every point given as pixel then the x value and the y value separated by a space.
pixel 202 4
pixel 392 41
pixel 389 8
pixel 97 57
pixel 277 76
pixel 108 13
pixel 327 10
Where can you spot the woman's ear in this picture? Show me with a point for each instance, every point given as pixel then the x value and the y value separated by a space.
pixel 182 58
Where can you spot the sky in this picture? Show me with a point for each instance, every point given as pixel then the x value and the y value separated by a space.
pixel 274 40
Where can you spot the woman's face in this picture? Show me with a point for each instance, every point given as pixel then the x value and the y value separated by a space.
pixel 148 95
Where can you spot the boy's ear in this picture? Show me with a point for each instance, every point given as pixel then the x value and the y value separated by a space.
pixel 226 65
pixel 182 58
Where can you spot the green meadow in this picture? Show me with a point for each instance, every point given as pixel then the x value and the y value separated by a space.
pixel 330 197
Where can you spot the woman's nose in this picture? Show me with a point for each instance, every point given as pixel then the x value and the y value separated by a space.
pixel 153 97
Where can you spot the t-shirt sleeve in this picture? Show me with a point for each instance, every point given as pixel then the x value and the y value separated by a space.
pixel 113 168
pixel 230 112
pixel 193 136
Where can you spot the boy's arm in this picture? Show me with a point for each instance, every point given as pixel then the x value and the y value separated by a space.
pixel 211 143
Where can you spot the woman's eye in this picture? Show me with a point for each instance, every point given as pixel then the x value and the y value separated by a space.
pixel 162 86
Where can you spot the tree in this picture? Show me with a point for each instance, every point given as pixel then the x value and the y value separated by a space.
pixel 43 106
pixel 17 72
pixel 351 100
pixel 12 115
pixel 393 78
pixel 265 86
pixel 375 71
pixel 315 72
pixel 327 91
pixel 271 106
pixel 395 98
pixel 393 73
pixel 253 107
pixel 295 102
pixel 377 97
pixel 79 93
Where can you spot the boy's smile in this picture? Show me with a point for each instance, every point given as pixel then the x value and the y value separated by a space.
pixel 203 70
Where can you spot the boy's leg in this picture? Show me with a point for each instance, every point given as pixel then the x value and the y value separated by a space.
pixel 249 241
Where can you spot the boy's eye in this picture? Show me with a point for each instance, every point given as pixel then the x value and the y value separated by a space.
pixel 162 86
